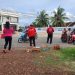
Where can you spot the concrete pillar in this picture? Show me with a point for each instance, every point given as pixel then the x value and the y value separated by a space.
pixel 1 23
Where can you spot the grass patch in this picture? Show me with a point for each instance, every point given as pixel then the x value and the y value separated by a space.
pixel 65 56
pixel 68 54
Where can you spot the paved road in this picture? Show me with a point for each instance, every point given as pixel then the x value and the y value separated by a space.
pixel 40 41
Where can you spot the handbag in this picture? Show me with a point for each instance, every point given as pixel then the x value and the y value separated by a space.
pixel 2 36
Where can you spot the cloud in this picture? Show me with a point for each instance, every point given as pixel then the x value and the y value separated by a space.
pixel 68 14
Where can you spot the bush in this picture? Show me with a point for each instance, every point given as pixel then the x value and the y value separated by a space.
pixel 20 30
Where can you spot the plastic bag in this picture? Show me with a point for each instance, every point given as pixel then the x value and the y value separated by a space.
pixel 2 36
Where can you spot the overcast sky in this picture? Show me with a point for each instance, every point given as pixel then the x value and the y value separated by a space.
pixel 34 6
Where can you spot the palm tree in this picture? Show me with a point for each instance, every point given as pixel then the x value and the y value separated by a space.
pixel 58 18
pixel 42 19
pixel 34 23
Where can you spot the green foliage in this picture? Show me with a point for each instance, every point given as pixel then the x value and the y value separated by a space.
pixel 55 58
pixel 42 19
pixel 20 29
pixel 69 54
pixel 58 18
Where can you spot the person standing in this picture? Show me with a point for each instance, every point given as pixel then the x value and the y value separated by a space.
pixel 69 34
pixel 64 35
pixel 7 31
pixel 64 31
pixel 50 31
pixel 31 34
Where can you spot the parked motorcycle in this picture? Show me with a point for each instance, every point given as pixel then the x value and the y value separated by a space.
pixel 64 38
pixel 23 37
pixel 73 39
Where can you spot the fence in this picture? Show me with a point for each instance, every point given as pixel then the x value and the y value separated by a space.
pixel 56 29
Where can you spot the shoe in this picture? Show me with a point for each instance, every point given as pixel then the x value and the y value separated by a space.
pixel 9 49
pixel 46 42
pixel 4 51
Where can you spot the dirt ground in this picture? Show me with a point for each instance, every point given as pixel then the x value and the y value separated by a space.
pixel 20 62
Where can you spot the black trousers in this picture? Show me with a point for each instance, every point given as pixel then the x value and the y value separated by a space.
pixel 8 41
pixel 49 38
pixel 32 41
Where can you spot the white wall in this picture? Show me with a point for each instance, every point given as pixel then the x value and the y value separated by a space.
pixel 56 29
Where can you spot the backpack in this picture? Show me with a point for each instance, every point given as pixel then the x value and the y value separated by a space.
pixel 31 32
pixel 50 30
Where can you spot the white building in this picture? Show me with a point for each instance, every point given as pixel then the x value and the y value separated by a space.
pixel 12 17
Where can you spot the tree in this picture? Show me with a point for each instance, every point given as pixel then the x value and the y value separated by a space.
pixel 34 23
pixel 58 18
pixel 42 19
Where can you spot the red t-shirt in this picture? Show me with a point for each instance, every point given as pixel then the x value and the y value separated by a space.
pixel 50 30
pixel 8 32
pixel 31 32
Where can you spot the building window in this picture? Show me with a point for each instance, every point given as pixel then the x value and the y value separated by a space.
pixel 8 17
pixel 5 18
pixel 14 20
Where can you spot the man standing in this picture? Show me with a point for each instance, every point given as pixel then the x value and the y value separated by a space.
pixel 31 34
pixel 50 31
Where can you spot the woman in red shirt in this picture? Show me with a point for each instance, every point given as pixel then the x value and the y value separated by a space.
pixel 7 31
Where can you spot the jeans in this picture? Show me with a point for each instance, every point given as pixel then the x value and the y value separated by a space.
pixel 8 40
pixel 32 41
pixel 50 37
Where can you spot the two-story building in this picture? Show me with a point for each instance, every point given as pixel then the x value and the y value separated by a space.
pixel 11 16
